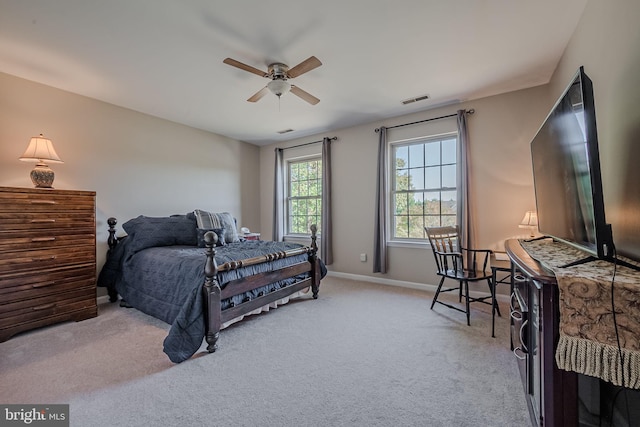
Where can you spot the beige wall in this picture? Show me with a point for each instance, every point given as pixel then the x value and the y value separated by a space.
pixel 607 44
pixel 137 164
pixel 500 132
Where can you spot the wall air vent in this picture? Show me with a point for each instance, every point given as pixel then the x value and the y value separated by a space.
pixel 416 99
pixel 285 131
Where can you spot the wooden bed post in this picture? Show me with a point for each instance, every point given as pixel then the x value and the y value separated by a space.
pixel 211 290
pixel 112 241
pixel 313 259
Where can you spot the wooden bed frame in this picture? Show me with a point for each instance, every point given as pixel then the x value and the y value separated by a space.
pixel 215 317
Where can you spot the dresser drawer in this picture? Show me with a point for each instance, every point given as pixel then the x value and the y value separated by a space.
pixel 18 326
pixel 43 201
pixel 29 240
pixel 32 260
pixel 51 305
pixel 33 285
pixel 23 221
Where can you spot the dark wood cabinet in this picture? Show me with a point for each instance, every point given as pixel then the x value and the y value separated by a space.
pixel 47 258
pixel 551 393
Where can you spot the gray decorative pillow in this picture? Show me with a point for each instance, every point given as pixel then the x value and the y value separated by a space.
pixel 208 220
pixel 219 232
pixel 145 232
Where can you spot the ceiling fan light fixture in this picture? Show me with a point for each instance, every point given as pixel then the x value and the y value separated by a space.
pixel 279 73
pixel 279 87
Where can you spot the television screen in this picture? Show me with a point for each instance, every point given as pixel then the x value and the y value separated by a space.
pixel 566 171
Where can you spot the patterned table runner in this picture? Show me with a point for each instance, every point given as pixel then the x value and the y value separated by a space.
pixel 588 343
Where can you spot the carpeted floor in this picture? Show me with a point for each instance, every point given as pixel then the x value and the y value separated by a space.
pixel 360 355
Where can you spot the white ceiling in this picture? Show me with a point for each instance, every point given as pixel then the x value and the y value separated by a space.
pixel 164 57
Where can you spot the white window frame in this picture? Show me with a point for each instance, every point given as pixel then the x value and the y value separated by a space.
pixel 392 240
pixel 289 158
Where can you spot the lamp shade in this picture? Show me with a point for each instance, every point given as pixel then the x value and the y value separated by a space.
pixel 279 87
pixel 530 220
pixel 40 149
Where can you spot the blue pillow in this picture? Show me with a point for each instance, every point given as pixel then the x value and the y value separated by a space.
pixel 208 220
pixel 146 232
pixel 219 231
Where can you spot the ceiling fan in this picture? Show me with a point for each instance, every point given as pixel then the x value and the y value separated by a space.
pixel 280 74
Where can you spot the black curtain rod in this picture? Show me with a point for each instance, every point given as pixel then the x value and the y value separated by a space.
pixel 306 143
pixel 471 111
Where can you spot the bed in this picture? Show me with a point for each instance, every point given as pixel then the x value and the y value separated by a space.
pixel 195 273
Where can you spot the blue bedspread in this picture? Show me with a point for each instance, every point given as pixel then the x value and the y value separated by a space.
pixel 166 282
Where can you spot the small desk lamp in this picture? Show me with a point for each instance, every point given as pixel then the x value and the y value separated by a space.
pixel 529 221
pixel 39 150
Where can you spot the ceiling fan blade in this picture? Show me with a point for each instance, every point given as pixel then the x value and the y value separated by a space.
pixel 304 95
pixel 305 66
pixel 258 95
pixel 245 67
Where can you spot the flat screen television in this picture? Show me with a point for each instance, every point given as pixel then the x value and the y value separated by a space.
pixel 566 173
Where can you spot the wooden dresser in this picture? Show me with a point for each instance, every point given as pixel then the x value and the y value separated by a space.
pixel 47 258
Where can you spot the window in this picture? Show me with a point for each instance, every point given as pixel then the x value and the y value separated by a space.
pixel 424 186
pixel 304 195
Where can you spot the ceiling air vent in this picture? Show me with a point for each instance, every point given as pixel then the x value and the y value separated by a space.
pixel 416 99
pixel 285 131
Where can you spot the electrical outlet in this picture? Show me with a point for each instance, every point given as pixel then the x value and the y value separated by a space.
pixel 363 257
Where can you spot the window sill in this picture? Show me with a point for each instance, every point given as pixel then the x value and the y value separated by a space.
pixel 406 244
pixel 303 239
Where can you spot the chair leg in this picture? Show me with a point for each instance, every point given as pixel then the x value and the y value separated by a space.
pixel 466 291
pixel 492 288
pixel 435 297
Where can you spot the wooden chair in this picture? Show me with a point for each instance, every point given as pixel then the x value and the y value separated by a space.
pixel 460 264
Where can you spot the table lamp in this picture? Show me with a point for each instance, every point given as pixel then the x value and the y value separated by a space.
pixel 529 221
pixel 40 149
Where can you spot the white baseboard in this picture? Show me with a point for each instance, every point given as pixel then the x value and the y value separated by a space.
pixel 102 299
pixel 400 283
pixel 362 278
pixel 383 281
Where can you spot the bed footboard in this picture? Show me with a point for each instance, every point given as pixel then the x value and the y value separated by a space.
pixel 213 294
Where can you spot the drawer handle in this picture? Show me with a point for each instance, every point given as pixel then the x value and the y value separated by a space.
pixel 43 239
pixel 43 202
pixel 36 221
pixel 42 285
pixel 518 349
pixel 525 350
pixel 44 307
pixel 522 305
pixel 49 258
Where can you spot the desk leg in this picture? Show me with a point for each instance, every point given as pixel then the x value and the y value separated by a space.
pixel 493 304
